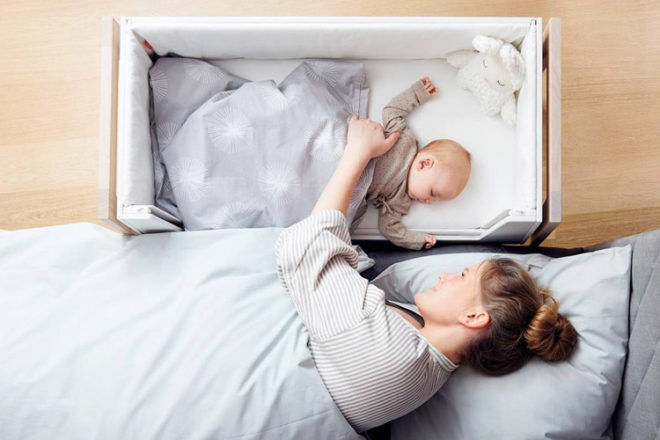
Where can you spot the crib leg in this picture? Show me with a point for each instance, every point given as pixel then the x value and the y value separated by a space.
pixel 552 128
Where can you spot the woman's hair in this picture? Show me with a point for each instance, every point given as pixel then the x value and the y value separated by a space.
pixel 523 321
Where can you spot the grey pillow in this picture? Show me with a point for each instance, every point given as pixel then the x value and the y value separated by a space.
pixel 568 400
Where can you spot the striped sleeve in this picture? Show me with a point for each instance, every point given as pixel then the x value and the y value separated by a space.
pixel 375 364
pixel 318 268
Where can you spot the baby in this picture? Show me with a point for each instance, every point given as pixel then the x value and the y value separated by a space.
pixel 439 171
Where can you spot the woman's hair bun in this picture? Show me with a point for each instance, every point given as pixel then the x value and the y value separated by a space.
pixel 549 334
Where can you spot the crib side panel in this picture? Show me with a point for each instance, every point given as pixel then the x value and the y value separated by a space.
pixel 107 184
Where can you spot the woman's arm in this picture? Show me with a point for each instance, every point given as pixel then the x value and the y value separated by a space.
pixel 315 261
pixel 365 141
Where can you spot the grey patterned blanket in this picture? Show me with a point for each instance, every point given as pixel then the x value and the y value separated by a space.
pixel 231 153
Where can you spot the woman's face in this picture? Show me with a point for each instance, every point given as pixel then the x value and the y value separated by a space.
pixel 455 297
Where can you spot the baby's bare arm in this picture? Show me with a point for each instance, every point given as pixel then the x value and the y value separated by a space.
pixel 396 111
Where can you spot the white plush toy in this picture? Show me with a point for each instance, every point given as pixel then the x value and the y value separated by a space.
pixel 492 72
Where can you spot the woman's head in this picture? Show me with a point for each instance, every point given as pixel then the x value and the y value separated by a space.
pixel 508 318
pixel 454 300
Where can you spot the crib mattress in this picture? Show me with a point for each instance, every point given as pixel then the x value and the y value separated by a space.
pixel 502 200
pixel 453 114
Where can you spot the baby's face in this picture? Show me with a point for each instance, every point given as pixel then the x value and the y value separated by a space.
pixel 438 175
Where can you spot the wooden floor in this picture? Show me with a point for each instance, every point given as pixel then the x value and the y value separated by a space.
pixel 49 102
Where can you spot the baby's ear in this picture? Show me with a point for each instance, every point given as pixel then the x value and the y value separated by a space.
pixel 425 163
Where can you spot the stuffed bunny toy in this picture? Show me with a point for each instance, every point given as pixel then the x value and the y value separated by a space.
pixel 493 72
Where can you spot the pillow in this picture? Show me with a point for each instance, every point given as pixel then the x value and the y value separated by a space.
pixel 259 155
pixel 574 399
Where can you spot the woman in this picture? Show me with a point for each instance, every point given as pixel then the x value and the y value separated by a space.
pixel 380 362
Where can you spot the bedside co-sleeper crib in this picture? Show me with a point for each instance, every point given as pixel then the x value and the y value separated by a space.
pixel 504 199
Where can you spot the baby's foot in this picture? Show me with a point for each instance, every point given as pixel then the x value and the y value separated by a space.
pixel 429 241
pixel 429 86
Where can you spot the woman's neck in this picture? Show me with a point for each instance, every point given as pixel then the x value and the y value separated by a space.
pixel 407 317
pixel 449 340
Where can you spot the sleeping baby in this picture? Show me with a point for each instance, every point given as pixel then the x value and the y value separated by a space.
pixel 439 171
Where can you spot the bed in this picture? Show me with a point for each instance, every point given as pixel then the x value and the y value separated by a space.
pixel 514 193
pixel 191 335
pixel 154 336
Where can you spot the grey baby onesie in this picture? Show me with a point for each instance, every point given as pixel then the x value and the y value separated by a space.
pixel 389 188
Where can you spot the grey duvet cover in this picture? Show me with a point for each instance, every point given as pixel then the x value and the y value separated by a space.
pixel 233 153
pixel 154 337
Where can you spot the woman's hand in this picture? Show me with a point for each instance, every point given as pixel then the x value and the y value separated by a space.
pixel 366 139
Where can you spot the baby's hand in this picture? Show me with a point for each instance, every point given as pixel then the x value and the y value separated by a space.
pixel 430 241
pixel 429 86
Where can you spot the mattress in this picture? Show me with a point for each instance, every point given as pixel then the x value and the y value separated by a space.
pixel 453 114
pixel 502 200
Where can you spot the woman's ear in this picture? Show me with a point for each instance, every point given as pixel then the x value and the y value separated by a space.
pixel 476 318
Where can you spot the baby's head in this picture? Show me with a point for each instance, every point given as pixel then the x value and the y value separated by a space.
pixel 439 171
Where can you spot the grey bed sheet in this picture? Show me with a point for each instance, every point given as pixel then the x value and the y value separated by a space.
pixel 637 416
pixel 235 153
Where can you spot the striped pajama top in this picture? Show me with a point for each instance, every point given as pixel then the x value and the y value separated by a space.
pixel 376 365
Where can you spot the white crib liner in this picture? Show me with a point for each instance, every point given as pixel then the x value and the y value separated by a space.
pixel 504 159
pixel 453 114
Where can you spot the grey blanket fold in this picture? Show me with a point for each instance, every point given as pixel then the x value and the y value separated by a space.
pixel 234 153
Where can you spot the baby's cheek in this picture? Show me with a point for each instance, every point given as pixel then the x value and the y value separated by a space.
pixel 415 186
pixel 427 187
